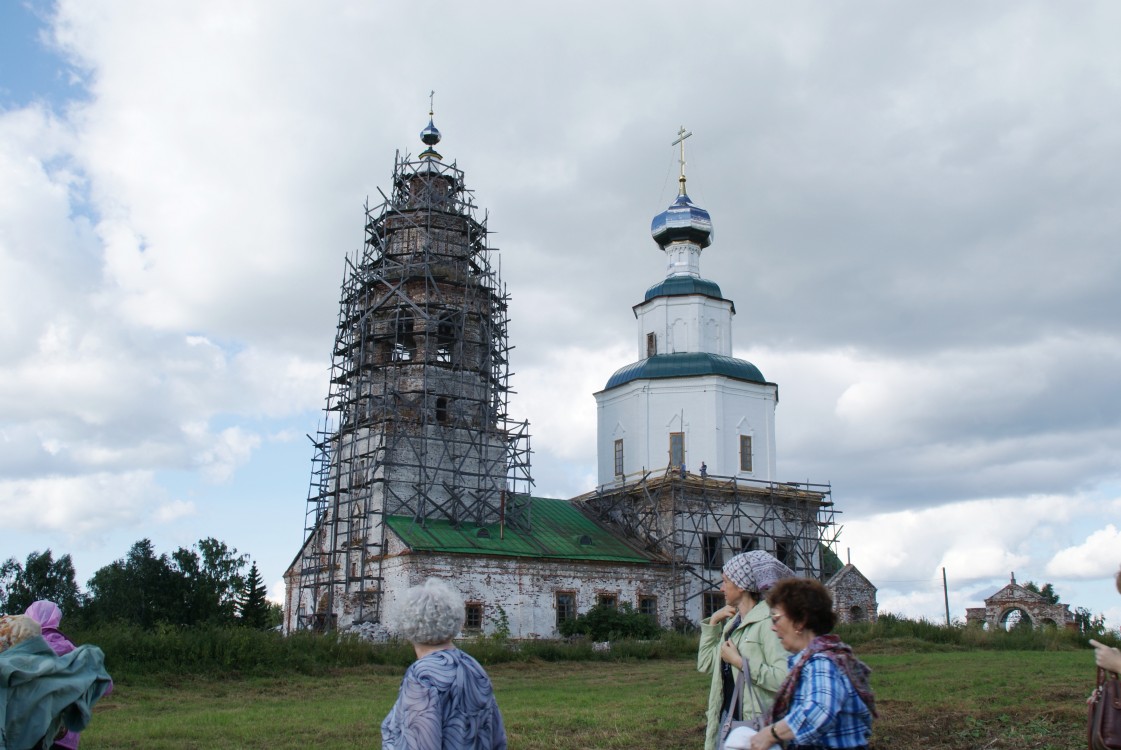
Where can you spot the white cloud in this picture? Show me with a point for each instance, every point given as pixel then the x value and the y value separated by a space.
pixel 1097 557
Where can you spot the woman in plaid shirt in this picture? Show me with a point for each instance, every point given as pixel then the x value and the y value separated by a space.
pixel 826 701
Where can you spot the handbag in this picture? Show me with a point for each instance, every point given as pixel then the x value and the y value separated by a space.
pixel 755 702
pixel 1104 730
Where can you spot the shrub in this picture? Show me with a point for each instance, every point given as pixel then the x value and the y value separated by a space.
pixel 605 623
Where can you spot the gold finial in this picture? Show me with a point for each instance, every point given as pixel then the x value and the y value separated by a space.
pixel 681 136
pixel 431 94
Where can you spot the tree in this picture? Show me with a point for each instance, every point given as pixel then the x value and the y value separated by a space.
pixel 210 582
pixel 253 606
pixel 142 589
pixel 40 577
pixel 1047 592
pixel 1087 623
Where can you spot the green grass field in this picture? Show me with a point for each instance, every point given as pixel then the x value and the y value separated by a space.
pixel 933 701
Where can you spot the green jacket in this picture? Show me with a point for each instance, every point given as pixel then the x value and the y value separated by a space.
pixel 758 644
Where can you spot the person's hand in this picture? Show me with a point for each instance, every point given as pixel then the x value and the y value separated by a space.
pixel 23 627
pixel 722 614
pixel 762 740
pixel 1106 657
pixel 731 654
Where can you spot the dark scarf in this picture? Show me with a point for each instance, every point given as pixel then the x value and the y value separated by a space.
pixel 831 647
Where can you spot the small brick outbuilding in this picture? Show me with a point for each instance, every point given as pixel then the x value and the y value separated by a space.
pixel 854 596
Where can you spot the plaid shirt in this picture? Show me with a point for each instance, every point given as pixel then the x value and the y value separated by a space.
pixel 826 710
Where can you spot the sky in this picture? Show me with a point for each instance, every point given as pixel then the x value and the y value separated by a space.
pixel 915 211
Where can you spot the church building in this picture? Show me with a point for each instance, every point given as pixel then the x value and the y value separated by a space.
pixel 419 470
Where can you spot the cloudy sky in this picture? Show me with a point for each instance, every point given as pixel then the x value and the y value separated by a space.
pixel 916 211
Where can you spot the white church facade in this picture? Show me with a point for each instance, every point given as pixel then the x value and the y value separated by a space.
pixel 420 472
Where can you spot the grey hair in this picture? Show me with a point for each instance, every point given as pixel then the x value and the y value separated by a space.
pixel 430 613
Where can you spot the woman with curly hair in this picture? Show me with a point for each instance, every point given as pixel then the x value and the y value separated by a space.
pixel 446 699
pixel 825 701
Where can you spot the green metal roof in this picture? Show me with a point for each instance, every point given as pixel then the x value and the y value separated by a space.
pixel 676 286
pixel 686 365
pixel 558 530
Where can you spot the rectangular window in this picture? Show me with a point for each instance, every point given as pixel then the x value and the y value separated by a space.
pixel 710 602
pixel 566 606
pixel 474 616
pixel 712 556
pixel 648 605
pixel 607 600
pixel 619 457
pixel 676 449
pixel 651 344
pixel 749 543
pixel 785 553
pixel 745 452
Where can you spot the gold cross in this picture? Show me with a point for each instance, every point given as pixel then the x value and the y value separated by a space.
pixel 681 136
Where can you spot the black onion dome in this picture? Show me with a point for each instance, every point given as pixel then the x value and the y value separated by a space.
pixel 683 220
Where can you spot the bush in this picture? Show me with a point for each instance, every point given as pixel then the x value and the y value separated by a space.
pixel 605 623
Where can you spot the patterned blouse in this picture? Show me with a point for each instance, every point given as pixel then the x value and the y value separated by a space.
pixel 446 701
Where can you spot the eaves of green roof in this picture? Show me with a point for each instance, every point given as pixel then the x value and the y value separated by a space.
pixel 686 365
pixel 560 531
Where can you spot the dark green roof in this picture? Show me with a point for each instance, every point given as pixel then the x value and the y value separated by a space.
pixel 686 365
pixel 558 530
pixel 676 286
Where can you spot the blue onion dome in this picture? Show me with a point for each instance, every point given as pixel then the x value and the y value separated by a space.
pixel 682 221
pixel 430 136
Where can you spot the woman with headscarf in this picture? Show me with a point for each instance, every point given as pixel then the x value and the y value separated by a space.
pixel 49 617
pixel 825 701
pixel 741 631
pixel 446 699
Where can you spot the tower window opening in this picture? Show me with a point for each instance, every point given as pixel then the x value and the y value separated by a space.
pixel 745 453
pixel 710 602
pixel 676 449
pixel 651 344
pixel 712 555
pixel 785 553
pixel 442 410
pixel 619 457
pixel 749 543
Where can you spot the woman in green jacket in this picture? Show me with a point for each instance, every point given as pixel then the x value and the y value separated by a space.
pixel 742 629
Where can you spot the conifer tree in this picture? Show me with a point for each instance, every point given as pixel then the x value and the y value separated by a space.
pixel 253 605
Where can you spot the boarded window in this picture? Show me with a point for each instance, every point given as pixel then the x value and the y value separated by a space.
pixel 648 605
pixel 745 453
pixel 712 555
pixel 607 600
pixel 710 602
pixel 473 619
pixel 566 606
pixel 676 449
pixel 619 457
pixel 651 344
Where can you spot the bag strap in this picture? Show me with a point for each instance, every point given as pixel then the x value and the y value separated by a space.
pixel 756 701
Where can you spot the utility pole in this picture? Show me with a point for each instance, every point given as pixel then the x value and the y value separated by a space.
pixel 946 597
